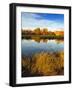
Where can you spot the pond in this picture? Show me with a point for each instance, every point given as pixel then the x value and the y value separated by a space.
pixel 31 46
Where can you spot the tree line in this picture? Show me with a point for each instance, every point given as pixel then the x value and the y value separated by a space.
pixel 37 31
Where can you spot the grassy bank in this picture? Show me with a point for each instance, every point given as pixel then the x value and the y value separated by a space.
pixel 43 64
pixel 43 36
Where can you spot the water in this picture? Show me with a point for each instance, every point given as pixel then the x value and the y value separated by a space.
pixel 30 47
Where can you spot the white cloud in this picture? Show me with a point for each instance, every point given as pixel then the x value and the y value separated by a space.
pixel 31 21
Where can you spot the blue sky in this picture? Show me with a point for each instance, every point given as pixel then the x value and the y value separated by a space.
pixel 42 20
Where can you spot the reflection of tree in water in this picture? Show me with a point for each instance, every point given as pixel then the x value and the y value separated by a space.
pixel 40 40
pixel 44 40
pixel 37 39
pixel 59 41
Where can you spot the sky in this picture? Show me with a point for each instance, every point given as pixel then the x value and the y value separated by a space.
pixel 42 20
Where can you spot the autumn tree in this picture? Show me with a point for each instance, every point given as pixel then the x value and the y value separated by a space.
pixel 51 33
pixel 37 31
pixel 45 31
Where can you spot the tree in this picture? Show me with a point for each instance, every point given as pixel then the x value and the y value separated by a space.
pixel 45 31
pixel 37 31
pixel 51 33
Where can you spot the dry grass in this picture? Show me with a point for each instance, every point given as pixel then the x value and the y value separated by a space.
pixel 44 64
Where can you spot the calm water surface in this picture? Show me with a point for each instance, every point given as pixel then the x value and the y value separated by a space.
pixel 30 47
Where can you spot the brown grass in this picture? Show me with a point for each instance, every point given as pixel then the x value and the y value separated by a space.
pixel 44 64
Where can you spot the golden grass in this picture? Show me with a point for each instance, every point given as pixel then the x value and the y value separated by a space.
pixel 45 64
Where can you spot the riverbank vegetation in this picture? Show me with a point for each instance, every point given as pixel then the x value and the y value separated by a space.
pixel 42 34
pixel 43 64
